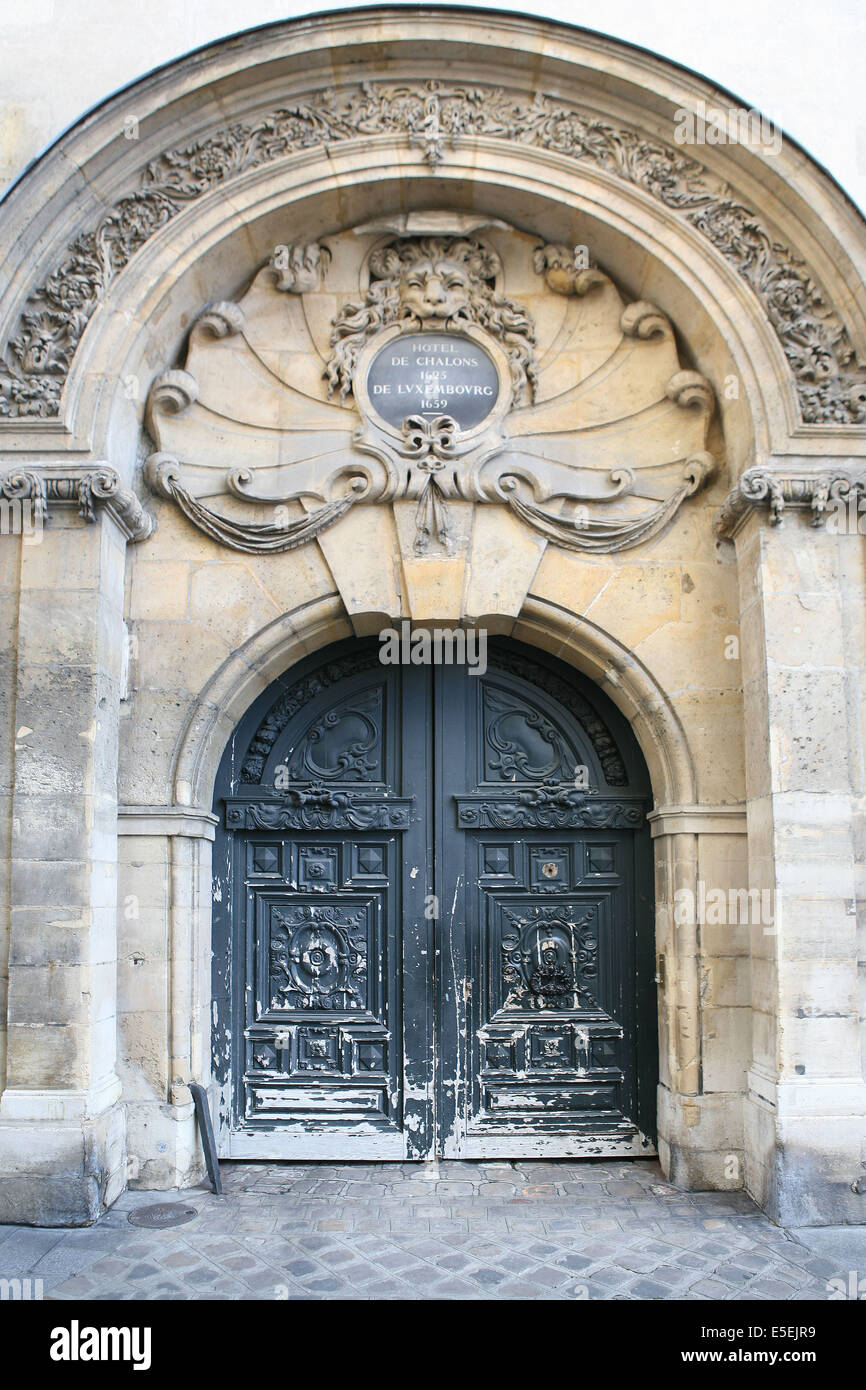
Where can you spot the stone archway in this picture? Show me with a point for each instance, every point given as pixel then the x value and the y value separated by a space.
pixel 123 255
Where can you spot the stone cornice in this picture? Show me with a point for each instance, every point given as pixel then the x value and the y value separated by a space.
pixel 778 491
pixel 433 117
pixel 190 821
pixel 85 488
pixel 698 820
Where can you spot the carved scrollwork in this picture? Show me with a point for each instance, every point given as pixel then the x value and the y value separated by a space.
pixel 819 493
pixel 559 808
pixel 221 320
pixel 644 320
pixel 548 953
pixel 690 388
pixel 319 808
pixel 829 378
pixel 162 472
pixel 562 273
pixel 318 958
pixel 292 702
pixel 83 488
pixel 175 390
pixel 593 726
pixel 597 534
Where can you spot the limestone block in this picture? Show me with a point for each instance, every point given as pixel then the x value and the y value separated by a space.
pixel 503 560
pixel 725 1048
pixel 160 590
pixel 62 1174
pixel 571 581
pixel 638 599
pixel 354 550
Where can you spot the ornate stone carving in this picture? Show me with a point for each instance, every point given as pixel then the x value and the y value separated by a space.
pixel 221 320
pixel 644 320
pixel 599 534
pixel 534 426
pixel 175 390
pixel 558 265
pixel 434 282
pixel 85 489
pixel 163 473
pixel 831 382
pixel 297 269
pixel 836 490
pixel 689 388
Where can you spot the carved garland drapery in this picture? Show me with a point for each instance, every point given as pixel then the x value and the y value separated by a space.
pixel 830 381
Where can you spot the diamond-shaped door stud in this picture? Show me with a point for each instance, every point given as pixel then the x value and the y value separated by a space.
pixel 266 859
pixel 497 859
pixel 370 860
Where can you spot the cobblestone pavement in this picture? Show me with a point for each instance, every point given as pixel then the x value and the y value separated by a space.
pixel 449 1230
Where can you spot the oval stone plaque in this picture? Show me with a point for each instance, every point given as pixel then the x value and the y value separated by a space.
pixel 432 374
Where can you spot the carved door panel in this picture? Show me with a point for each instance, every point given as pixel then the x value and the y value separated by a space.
pixel 434 897
pixel 544 998
pixel 328 989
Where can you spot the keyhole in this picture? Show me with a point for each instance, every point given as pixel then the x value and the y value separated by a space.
pixel 550 870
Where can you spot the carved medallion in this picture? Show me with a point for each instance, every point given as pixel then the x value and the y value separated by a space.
pixel 464 369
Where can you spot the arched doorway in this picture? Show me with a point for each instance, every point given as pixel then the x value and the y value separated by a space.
pixel 433 927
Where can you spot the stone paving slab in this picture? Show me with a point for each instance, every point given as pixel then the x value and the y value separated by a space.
pixel 448 1230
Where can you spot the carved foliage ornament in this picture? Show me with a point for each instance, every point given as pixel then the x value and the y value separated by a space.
pixel 830 381
pixel 537 419
pixel 461 272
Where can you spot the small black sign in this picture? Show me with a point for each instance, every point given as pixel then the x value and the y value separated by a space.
pixel 432 374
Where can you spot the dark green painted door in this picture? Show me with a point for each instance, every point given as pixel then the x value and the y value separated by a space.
pixel 432 917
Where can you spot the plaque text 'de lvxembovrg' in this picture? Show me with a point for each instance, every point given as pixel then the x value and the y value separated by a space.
pixel 433 374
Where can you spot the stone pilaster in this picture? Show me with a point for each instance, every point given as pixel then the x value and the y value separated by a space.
pixel 802 658
pixel 62 1144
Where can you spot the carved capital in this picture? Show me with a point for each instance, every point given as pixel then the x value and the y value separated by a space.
pixel 818 494
pixel 85 488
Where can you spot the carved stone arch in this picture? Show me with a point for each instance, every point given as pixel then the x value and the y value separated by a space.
pixel 776 240
pixel 272 652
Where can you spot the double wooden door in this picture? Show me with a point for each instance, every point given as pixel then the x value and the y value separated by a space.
pixel 432 916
